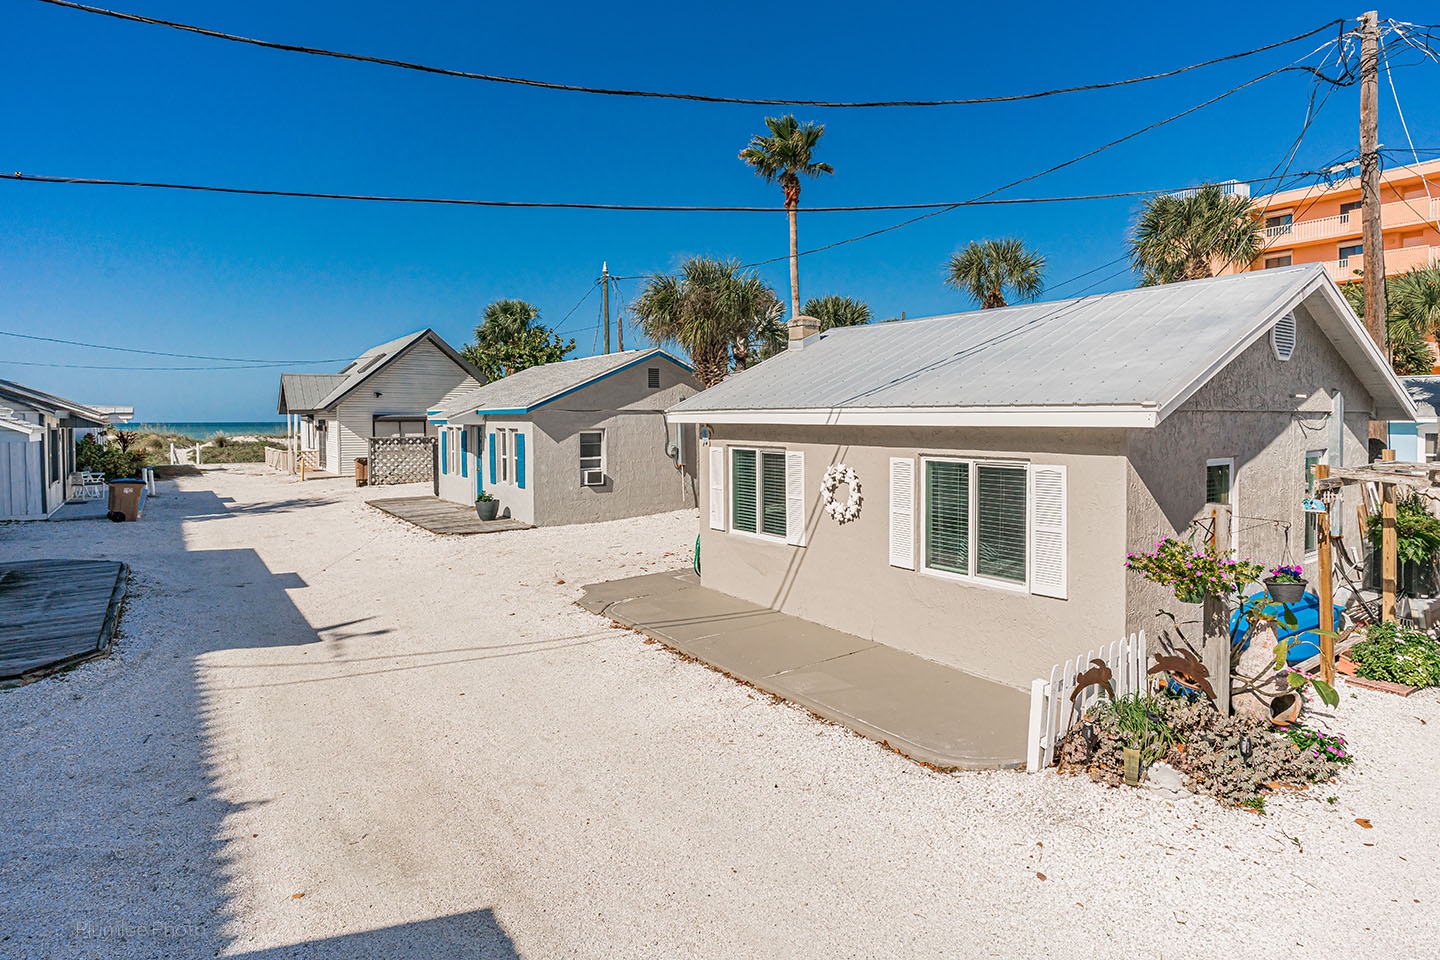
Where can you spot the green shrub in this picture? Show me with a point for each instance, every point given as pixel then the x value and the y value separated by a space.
pixel 1417 533
pixel 1397 656
pixel 110 459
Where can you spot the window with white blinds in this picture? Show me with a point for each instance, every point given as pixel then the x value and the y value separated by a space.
pixel 947 516
pixel 975 519
pixel 757 492
pixel 1000 540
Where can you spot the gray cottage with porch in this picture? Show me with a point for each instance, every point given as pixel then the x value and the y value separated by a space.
pixel 1005 461
pixel 573 442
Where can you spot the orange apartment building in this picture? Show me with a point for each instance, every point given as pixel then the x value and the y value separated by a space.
pixel 1322 224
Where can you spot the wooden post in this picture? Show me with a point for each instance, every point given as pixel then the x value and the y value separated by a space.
pixel 1373 255
pixel 1215 652
pixel 1327 588
pixel 1389 562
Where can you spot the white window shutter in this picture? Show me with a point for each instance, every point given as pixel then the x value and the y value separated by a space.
pixel 795 498
pixel 717 488
pixel 902 512
pixel 1048 546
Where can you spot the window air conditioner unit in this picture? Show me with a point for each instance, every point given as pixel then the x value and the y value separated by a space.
pixel 592 478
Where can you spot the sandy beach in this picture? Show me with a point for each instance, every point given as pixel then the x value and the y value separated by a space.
pixel 324 733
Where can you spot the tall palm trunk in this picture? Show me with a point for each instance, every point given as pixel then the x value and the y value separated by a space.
pixel 794 264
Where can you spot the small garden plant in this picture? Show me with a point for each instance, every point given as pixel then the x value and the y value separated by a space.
pixel 1287 574
pixel 1236 760
pixel 1397 655
pixel 1194 574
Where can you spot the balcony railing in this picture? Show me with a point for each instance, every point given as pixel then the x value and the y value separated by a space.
pixel 1398 213
pixel 1400 260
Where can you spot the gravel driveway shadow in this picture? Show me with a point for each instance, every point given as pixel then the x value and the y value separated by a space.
pixel 120 838
pixel 476 935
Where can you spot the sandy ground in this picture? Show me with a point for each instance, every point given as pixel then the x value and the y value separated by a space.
pixel 327 734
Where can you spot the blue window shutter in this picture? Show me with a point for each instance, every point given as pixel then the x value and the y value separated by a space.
pixel 520 460
pixel 464 451
pixel 444 451
pixel 492 458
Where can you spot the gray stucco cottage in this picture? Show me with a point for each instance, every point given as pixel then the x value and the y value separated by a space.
pixel 1008 459
pixel 573 442
pixel 37 449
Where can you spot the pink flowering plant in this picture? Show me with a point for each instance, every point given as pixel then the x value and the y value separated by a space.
pixel 1193 574
pixel 1322 745
pixel 1287 574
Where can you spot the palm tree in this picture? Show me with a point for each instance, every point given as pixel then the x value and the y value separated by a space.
pixel 1194 235
pixel 1412 316
pixel 786 155
pixel 713 309
pixel 985 269
pixel 510 338
pixel 837 311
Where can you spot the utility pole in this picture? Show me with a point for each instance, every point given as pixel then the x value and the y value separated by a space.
pixel 620 320
pixel 1371 233
pixel 605 295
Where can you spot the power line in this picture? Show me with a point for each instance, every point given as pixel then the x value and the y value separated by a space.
pixel 18 176
pixel 94 366
pixel 161 353
pixel 668 95
pixel 1344 80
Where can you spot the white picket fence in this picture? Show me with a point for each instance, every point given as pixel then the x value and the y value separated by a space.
pixel 1051 711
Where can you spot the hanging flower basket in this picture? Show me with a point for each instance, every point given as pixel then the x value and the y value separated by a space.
pixel 1286 584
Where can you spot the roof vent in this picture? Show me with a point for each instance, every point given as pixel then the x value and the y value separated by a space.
pixel 1282 337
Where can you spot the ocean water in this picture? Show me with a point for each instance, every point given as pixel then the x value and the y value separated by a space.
pixel 201 431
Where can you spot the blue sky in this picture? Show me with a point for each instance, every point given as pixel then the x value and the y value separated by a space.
pixel 294 280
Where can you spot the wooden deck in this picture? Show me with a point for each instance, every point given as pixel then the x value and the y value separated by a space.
pixel 442 516
pixel 55 613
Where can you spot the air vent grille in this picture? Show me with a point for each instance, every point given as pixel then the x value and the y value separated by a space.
pixel 1282 337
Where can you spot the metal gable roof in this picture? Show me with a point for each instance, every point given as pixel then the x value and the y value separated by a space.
pixel 300 392
pixel 1425 391
pixel 39 399
pixel 534 386
pixel 1124 359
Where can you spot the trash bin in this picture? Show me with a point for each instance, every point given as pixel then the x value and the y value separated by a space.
pixel 127 499
pixel 362 471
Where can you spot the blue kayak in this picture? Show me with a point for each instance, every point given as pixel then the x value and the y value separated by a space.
pixel 1307 619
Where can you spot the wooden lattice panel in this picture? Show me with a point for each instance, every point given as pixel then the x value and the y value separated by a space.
pixel 402 460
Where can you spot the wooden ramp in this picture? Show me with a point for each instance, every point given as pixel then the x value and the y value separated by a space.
pixel 442 516
pixel 55 613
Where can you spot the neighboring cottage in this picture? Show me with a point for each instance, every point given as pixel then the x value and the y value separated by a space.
pixel 37 450
pixel 1010 458
pixel 573 442
pixel 384 392
pixel 1418 441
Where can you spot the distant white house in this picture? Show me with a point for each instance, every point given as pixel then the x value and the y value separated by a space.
pixel 1418 441
pixel 573 442
pixel 384 392
pixel 37 449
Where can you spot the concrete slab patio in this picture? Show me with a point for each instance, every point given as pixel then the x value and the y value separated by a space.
pixel 925 710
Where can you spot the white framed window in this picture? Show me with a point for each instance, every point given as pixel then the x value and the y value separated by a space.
pixel 975 520
pixel 592 458
pixel 503 444
pixel 1313 458
pixel 1220 488
pixel 453 451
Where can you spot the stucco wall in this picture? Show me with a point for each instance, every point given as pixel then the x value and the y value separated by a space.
pixel 1249 411
pixel 461 485
pixel 843 579
pixel 639 477
pixel 515 501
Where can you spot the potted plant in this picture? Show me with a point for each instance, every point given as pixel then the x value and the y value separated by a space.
pixel 1286 584
pixel 1193 574
pixel 486 506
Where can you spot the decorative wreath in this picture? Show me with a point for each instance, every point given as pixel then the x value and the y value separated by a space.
pixel 834 477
